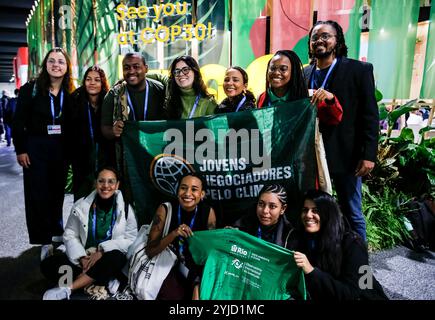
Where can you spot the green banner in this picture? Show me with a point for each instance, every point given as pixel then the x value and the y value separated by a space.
pixel 236 152
pixel 239 266
pixel 392 45
pixel 428 86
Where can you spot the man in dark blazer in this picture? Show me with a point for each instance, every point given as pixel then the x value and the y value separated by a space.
pixel 351 146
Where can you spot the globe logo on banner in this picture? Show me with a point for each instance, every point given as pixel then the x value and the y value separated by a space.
pixel 166 171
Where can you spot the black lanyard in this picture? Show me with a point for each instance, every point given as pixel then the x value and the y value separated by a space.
pixel 259 234
pixel 192 222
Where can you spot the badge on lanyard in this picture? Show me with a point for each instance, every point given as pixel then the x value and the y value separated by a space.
pixel 54 129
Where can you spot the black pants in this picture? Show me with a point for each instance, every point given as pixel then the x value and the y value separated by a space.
pixel 104 270
pixel 44 186
pixel 7 133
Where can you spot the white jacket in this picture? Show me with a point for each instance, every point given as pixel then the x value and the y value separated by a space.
pixel 76 229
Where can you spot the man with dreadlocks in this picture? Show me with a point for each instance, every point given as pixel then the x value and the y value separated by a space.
pixel 350 145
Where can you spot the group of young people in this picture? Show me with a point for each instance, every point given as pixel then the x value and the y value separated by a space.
pixel 55 126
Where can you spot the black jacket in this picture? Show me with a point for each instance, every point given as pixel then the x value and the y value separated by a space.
pixel 356 136
pixel 230 106
pixel 322 285
pixel 249 223
pixel 85 141
pixel 33 115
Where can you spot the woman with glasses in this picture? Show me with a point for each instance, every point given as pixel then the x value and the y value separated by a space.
pixel 97 235
pixel 239 98
pixel 333 258
pixel 86 139
pixel 284 80
pixel 187 93
pixel 39 132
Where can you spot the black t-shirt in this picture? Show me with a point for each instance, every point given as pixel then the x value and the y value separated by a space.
pixel 200 223
pixel 319 77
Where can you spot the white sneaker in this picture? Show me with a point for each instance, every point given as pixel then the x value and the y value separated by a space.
pixel 58 293
pixel 113 286
pixel 57 239
pixel 46 251
pixel 61 248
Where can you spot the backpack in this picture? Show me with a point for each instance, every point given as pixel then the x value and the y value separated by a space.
pixel 423 222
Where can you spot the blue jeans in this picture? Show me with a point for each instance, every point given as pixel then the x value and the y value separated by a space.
pixel 7 133
pixel 349 193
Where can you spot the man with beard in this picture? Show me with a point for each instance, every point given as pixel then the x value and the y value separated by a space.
pixel 351 145
pixel 136 98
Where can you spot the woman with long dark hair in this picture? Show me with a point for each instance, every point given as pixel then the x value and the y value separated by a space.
pixel 330 253
pixel 39 132
pixel 285 80
pixel 187 93
pixel 86 139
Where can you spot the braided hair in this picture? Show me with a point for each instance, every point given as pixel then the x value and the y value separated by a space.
pixel 276 189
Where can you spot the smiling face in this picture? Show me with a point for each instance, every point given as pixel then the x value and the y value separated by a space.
pixel 310 216
pixel 279 72
pixel 183 75
pixel 269 209
pixel 107 184
pixel 233 83
pixel 93 83
pixel 56 65
pixel 190 193
pixel 134 71
pixel 323 41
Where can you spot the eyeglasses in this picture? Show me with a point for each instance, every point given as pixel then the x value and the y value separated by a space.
pixel 282 68
pixel 323 37
pixel 185 71
pixel 110 182
pixel 53 61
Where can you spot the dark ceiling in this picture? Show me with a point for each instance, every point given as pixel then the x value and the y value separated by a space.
pixel 13 16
